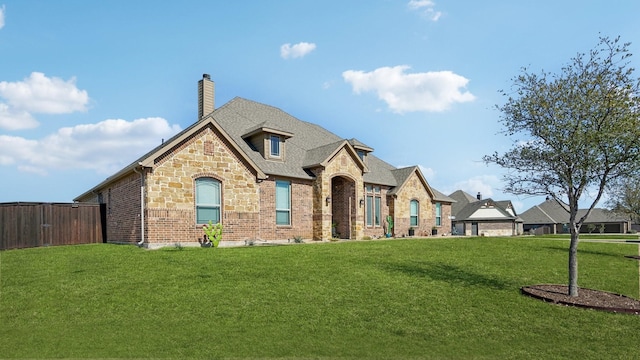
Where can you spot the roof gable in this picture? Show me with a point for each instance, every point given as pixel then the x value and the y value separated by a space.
pixel 402 175
pixel 321 155
pixel 485 209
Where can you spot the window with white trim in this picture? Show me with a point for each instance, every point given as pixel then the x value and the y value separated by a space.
pixel 373 209
pixel 275 145
pixel 207 200
pixel 438 214
pixel 283 202
pixel 414 208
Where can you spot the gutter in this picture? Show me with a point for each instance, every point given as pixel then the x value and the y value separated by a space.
pixel 141 242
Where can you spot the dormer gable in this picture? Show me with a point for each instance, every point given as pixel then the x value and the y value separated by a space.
pixel 361 149
pixel 268 140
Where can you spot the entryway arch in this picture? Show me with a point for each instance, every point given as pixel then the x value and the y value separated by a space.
pixel 343 207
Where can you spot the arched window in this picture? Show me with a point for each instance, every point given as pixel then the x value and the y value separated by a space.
pixel 207 200
pixel 414 206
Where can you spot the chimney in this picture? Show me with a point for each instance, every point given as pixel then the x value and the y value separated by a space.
pixel 479 196
pixel 206 96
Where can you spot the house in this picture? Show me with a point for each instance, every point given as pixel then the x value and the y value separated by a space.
pixel 264 175
pixel 476 216
pixel 552 217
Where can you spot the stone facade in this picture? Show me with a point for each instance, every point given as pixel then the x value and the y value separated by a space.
pixel 331 205
pixel 170 191
pixel 340 179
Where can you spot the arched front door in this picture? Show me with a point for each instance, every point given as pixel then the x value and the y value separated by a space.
pixel 343 207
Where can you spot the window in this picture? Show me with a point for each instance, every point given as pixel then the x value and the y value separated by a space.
pixel 207 200
pixel 275 145
pixel 374 205
pixel 283 202
pixel 369 210
pixel 438 214
pixel 413 213
pixel 361 154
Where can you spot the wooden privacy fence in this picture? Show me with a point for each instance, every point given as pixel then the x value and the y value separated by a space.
pixel 25 225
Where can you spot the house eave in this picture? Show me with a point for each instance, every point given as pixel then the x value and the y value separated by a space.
pixel 113 178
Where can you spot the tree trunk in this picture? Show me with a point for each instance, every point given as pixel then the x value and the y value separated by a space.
pixel 573 261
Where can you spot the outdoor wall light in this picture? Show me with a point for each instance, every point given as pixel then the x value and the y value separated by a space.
pixel 361 202
pixel 328 200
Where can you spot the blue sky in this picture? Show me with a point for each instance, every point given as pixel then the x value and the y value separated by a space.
pixel 88 86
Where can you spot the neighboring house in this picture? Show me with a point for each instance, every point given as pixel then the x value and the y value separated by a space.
pixel 476 216
pixel 551 217
pixel 264 175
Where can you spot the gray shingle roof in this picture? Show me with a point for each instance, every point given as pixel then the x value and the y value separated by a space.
pixel 357 143
pixel 467 205
pixel 462 199
pixel 309 145
pixel 472 207
pixel 551 212
pixel 318 155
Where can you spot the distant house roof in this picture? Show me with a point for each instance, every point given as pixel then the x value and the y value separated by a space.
pixel 552 212
pixel 468 207
pixel 307 145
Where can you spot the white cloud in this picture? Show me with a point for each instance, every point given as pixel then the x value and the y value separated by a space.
pixel 12 119
pixel 2 16
pixel 430 91
pixel 428 173
pixel 483 184
pixel 419 4
pixel 426 7
pixel 104 147
pixel 295 51
pixel 38 94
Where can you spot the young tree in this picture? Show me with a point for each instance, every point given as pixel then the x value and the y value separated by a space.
pixel 624 198
pixel 573 131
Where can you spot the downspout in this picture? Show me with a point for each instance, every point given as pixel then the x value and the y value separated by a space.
pixel 141 242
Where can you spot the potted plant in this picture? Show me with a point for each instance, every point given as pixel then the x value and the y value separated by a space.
pixel 412 231
pixel 434 230
pixel 334 230
pixel 389 227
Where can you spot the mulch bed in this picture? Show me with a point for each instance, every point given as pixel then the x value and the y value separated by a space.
pixel 587 298
pixel 633 257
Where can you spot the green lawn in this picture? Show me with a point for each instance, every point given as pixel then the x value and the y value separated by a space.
pixel 594 237
pixel 425 298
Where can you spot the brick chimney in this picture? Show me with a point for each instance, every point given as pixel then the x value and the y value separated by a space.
pixel 206 96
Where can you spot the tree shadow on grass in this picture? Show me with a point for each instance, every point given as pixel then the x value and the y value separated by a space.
pixel 582 251
pixel 451 274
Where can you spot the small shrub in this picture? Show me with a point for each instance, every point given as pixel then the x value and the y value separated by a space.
pixel 213 233
pixel 366 238
pixel 178 246
pixel 297 239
